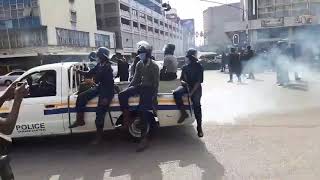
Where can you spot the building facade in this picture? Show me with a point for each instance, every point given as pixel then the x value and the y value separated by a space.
pixel 214 20
pixel 188 36
pixel 33 28
pixel 137 20
pixel 269 21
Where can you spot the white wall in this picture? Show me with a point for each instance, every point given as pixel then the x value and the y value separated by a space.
pixel 56 13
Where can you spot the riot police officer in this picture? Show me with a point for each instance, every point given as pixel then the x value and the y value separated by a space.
pixel 170 64
pixel 234 65
pixel 103 75
pixel 191 79
pixel 145 83
pixel 92 59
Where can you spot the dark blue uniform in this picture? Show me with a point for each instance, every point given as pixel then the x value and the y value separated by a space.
pixel 191 74
pixel 105 89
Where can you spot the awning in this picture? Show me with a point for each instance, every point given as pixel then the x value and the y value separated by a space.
pixel 18 55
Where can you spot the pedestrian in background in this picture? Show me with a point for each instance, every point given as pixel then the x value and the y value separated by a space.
pixel 223 62
pixel 123 68
pixel 250 64
pixel 234 65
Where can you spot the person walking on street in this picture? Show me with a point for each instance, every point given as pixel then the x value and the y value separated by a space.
pixel 7 125
pixel 170 64
pixel 234 65
pixel 123 68
pixel 282 64
pixel 249 66
pixel 104 89
pixel 145 83
pixel 191 79
pixel 223 62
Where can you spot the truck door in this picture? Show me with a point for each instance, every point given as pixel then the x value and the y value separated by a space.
pixel 90 113
pixel 39 114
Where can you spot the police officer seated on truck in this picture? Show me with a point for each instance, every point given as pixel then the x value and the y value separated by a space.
pixel 145 83
pixel 103 75
pixel 170 64
pixel 17 93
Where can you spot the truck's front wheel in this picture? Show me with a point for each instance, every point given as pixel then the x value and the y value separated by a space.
pixel 135 128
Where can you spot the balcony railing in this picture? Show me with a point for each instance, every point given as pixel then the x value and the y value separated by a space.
pixel 125 13
pixel 126 27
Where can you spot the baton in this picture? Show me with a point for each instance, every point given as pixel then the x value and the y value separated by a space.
pixel 188 91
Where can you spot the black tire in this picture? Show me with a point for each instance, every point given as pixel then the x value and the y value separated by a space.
pixel 134 129
pixel 7 82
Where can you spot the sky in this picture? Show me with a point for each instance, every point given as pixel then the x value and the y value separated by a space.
pixel 194 9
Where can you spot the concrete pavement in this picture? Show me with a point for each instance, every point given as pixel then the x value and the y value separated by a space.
pixel 254 130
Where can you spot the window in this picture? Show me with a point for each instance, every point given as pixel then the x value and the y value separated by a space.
pixel 73 16
pixel 102 40
pixel 156 21
pixel 142 15
pixel 156 31
pixel 135 24
pixel 143 27
pixel 161 23
pixel 134 12
pixel 41 84
pixel 166 25
pixel 273 33
pixel 36 37
pixel 67 37
pixel 150 29
pixel 149 18
pixel 16 73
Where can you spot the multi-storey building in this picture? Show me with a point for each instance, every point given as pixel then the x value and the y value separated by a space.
pixel 269 21
pixel 136 20
pixel 214 19
pixel 31 30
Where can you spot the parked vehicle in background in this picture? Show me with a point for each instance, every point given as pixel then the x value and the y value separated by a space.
pixel 10 77
pixel 181 61
pixel 209 60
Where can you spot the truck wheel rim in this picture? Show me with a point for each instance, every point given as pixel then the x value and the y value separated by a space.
pixel 134 130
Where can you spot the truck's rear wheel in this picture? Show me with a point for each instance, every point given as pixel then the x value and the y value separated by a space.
pixel 135 128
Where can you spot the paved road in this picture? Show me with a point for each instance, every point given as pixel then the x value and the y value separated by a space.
pixel 254 130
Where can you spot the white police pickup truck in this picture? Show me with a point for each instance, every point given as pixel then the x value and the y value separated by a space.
pixel 50 107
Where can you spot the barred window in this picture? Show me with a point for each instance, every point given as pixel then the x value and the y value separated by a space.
pixel 102 40
pixel 66 37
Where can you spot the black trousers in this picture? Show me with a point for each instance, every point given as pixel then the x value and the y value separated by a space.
pixel 85 97
pixel 195 98
pixel 147 102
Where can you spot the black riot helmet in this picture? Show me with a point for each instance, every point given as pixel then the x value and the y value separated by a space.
pixel 93 56
pixel 192 53
pixel 103 54
pixel 144 47
pixel 169 49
